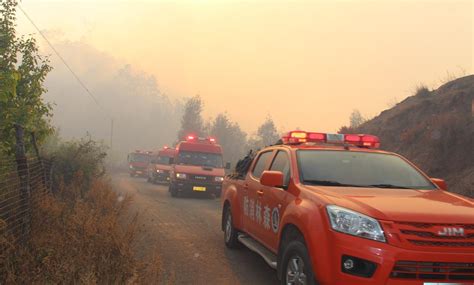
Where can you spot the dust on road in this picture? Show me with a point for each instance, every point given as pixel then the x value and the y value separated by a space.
pixel 186 233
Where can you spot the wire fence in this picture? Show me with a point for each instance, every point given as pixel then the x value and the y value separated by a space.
pixel 22 184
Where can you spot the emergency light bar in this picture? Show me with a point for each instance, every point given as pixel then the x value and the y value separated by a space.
pixel 192 138
pixel 360 140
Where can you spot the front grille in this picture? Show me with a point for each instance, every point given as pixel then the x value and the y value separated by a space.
pixel 439 271
pixel 426 225
pixel 435 235
pixel 432 235
pixel 441 243
pixel 202 178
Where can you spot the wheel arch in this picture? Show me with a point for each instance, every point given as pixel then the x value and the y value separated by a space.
pixel 289 230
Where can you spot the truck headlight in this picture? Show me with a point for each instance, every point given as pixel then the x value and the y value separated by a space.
pixel 219 178
pixel 131 166
pixel 353 223
pixel 181 175
pixel 159 171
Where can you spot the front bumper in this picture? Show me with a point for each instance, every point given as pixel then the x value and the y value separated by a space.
pixel 198 187
pixel 139 172
pixel 385 257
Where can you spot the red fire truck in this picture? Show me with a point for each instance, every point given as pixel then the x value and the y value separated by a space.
pixel 138 163
pixel 197 167
pixel 160 165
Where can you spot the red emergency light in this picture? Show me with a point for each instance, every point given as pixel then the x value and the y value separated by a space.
pixel 360 140
pixel 193 138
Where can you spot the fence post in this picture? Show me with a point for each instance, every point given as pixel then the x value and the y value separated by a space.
pixel 40 160
pixel 23 174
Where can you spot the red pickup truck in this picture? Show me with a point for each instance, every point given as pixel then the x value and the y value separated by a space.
pixel 333 209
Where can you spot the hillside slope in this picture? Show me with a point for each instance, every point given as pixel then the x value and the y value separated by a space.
pixel 435 130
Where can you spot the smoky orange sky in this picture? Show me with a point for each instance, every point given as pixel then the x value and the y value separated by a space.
pixel 307 64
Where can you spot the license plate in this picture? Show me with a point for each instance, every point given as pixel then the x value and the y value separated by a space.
pixel 335 137
pixel 199 188
pixel 139 172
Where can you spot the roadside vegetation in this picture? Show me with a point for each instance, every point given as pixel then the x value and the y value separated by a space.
pixel 432 128
pixel 82 231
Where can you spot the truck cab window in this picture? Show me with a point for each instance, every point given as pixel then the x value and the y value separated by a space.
pixel 282 163
pixel 260 164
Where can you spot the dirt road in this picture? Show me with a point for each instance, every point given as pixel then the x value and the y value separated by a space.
pixel 187 234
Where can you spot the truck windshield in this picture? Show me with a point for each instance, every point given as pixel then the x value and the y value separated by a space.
pixel 165 160
pixel 359 169
pixel 139 157
pixel 200 159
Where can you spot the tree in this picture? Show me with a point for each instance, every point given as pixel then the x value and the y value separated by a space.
pixel 356 119
pixel 229 136
pixel 21 86
pixel 192 122
pixel 268 133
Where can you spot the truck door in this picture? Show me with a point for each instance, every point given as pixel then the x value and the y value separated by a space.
pixel 275 200
pixel 251 199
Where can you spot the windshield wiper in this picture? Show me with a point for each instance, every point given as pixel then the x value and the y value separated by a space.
pixel 331 183
pixel 390 186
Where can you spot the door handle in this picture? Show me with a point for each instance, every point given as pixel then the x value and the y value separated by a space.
pixel 260 192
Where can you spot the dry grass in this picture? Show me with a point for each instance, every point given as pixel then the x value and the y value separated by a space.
pixel 74 240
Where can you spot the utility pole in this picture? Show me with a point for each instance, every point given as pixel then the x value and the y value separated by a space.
pixel 111 133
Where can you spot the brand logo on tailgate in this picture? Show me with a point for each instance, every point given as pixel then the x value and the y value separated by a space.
pixel 451 232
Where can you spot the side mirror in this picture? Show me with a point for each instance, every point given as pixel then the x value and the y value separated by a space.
pixel 227 165
pixel 440 183
pixel 272 178
pixel 171 160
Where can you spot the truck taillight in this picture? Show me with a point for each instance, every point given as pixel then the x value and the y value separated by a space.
pixel 212 140
pixel 190 138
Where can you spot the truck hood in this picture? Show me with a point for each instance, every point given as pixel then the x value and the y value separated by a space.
pixel 162 167
pixel 199 170
pixel 402 205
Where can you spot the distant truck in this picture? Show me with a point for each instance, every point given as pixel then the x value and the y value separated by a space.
pixel 197 167
pixel 332 209
pixel 138 163
pixel 160 165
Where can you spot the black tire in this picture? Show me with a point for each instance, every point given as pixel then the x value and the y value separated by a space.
pixel 231 234
pixel 296 253
pixel 173 191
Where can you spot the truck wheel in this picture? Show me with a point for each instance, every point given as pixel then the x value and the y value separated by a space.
pixel 173 191
pixel 230 233
pixel 296 265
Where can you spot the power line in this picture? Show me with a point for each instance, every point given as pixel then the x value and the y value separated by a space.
pixel 81 83
pixel 65 63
